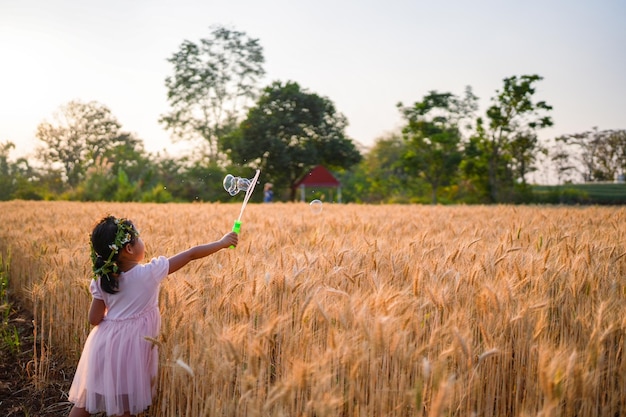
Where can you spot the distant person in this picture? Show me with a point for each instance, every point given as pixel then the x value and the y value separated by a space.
pixel 268 194
pixel 118 366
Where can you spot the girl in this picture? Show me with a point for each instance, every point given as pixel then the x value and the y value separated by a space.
pixel 118 366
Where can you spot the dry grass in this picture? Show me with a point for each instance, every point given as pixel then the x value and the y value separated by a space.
pixel 357 311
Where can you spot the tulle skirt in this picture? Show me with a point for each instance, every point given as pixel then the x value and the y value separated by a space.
pixel 118 367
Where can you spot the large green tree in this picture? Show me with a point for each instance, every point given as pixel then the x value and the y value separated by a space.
pixel 434 135
pixel 506 145
pixel 78 136
pixel 289 131
pixel 213 83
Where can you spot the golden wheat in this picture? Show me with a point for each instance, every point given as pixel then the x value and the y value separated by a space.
pixel 359 310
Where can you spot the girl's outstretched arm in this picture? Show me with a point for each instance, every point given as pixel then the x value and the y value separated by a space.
pixel 183 258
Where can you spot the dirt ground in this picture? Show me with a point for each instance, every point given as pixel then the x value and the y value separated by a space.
pixel 19 395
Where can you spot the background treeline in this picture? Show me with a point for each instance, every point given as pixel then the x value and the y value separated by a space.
pixel 445 152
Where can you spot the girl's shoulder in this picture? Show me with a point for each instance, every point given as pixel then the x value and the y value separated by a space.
pixel 156 269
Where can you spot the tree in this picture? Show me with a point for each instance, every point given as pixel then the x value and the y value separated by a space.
pixel 380 176
pixel 7 180
pixel 213 82
pixel 599 155
pixel 433 136
pixel 79 135
pixel 288 132
pixel 525 148
pixel 384 166
pixel 561 162
pixel 19 180
pixel 508 142
pixel 612 154
pixel 123 167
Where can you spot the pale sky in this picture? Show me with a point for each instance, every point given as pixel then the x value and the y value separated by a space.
pixel 363 55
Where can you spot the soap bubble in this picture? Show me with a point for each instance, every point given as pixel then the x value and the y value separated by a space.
pixel 230 184
pixel 316 206
pixel 234 184
pixel 243 184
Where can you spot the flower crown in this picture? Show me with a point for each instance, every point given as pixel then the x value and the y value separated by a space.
pixel 126 232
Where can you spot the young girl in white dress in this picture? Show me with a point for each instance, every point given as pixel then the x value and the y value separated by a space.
pixel 118 366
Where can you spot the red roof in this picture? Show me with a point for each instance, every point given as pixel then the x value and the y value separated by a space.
pixel 318 177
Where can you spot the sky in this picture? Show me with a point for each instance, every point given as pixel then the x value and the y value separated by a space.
pixel 363 55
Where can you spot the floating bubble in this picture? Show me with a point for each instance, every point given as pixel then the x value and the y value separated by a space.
pixel 230 184
pixel 316 206
pixel 243 184
pixel 234 184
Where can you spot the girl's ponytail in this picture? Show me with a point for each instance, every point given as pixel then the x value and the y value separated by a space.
pixel 108 279
pixel 107 239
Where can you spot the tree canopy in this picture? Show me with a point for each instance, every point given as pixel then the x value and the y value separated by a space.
pixel 79 135
pixel 214 81
pixel 505 148
pixel 443 153
pixel 601 154
pixel 433 135
pixel 289 131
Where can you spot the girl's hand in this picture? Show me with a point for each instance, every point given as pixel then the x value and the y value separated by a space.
pixel 229 239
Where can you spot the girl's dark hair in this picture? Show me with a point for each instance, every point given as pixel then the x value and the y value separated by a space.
pixel 103 237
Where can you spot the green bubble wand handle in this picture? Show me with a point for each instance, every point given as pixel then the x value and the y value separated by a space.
pixel 237 224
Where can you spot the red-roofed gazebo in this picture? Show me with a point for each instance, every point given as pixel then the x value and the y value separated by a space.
pixel 318 177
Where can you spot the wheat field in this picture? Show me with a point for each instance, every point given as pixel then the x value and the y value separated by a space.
pixel 356 311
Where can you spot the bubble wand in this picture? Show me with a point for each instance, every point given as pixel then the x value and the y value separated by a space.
pixel 237 224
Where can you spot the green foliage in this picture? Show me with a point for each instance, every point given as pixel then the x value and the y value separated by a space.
pixel 475 169
pixel 7 182
pixel 19 180
pixel 593 193
pixel 79 135
pixel 353 185
pixel 4 285
pixel 380 177
pixel 9 337
pixel 288 132
pixel 507 144
pixel 212 83
pixel 126 191
pixel 433 136
pixel 203 182
pixel 560 195
pixel 121 173
pixel 158 194
pixel 442 155
pixel 99 184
